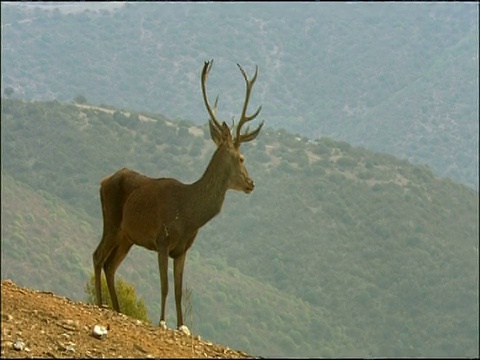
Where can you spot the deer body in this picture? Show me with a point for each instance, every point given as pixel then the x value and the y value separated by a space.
pixel 172 212
pixel 164 215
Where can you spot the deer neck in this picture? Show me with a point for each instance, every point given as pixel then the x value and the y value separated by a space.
pixel 206 195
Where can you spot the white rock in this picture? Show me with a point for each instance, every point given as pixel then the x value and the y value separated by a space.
pixel 99 332
pixel 18 345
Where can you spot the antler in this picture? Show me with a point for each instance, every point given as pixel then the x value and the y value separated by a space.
pixel 215 127
pixel 247 136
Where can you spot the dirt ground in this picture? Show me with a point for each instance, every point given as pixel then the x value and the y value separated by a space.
pixel 41 324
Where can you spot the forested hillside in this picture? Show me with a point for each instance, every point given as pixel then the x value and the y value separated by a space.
pixel 339 251
pixel 395 77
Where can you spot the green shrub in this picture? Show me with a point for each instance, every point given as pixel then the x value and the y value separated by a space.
pixel 127 297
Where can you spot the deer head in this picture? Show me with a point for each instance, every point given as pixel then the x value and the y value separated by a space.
pixel 228 147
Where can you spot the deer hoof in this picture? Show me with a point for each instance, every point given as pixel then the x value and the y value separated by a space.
pixel 163 325
pixel 184 329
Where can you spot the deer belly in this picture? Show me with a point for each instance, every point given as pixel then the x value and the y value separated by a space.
pixel 140 230
pixel 140 220
pixel 140 238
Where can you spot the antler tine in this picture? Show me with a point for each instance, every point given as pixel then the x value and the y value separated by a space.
pixel 212 112
pixel 247 136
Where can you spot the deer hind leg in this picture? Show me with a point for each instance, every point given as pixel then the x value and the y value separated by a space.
pixel 111 264
pixel 100 255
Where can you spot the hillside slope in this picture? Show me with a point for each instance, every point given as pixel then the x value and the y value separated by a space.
pixel 42 235
pixel 42 240
pixel 339 251
pixel 52 326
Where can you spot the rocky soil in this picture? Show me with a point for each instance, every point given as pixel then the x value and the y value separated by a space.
pixel 41 324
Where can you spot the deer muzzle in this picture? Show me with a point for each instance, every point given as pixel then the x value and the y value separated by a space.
pixel 249 186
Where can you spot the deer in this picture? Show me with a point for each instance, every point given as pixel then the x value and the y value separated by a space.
pixel 163 214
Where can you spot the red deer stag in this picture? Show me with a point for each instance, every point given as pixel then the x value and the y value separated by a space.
pixel 164 215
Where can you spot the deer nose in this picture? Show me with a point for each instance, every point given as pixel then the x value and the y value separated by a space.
pixel 250 186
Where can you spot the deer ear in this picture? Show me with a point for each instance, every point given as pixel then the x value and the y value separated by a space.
pixel 221 134
pixel 226 134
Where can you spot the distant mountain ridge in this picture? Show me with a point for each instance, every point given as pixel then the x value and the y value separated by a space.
pixel 400 78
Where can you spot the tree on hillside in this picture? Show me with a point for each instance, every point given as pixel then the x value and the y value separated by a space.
pixel 80 99
pixel 127 297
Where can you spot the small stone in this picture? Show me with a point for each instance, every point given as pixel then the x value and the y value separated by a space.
pixel 68 325
pixel 99 332
pixel 139 348
pixel 7 317
pixel 19 345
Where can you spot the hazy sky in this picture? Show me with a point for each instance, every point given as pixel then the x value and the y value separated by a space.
pixel 72 6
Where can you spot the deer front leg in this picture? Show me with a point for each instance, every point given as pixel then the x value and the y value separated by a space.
pixel 163 268
pixel 178 265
